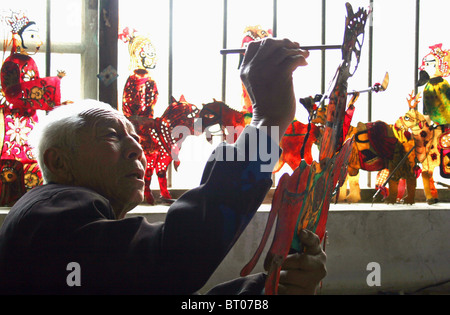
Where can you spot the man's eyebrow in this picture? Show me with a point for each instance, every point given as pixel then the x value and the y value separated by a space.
pixel 132 131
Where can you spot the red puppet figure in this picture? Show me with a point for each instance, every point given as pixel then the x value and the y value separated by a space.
pixel 140 93
pixel 161 143
pixel 139 98
pixel 23 93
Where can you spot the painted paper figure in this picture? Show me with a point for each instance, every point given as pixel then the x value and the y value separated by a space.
pixel 231 122
pixel 140 93
pixel 302 199
pixel 379 145
pixel 436 94
pixel 436 98
pixel 23 88
pixel 427 148
pixel 161 144
pixel 24 93
pixel 396 165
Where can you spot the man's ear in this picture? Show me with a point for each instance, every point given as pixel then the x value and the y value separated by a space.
pixel 59 165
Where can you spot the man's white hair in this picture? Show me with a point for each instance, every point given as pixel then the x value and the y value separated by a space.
pixel 59 129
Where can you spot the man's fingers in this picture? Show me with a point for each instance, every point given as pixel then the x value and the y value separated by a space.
pixel 301 274
pixel 251 51
pixel 305 261
pixel 274 53
pixel 310 241
pixel 293 62
pixel 301 278
pixel 270 48
pixel 283 54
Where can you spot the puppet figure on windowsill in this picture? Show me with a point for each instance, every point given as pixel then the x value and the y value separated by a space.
pixel 140 95
pixel 23 93
pixel 436 100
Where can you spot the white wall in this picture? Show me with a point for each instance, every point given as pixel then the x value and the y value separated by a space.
pixel 410 244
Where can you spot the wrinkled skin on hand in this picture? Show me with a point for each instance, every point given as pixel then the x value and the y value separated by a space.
pixel 301 273
pixel 267 75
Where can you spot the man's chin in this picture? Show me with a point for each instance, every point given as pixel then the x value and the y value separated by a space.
pixel 129 205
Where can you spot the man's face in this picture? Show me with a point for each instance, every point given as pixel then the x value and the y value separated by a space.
pixel 110 161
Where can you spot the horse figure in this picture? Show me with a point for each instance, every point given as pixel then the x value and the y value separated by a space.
pixel 231 123
pixel 161 146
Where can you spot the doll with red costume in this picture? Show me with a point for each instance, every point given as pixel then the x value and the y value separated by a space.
pixel 23 93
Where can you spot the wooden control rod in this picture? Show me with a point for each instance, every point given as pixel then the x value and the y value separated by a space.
pixel 318 47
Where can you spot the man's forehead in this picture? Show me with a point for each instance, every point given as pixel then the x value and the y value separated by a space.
pixel 97 117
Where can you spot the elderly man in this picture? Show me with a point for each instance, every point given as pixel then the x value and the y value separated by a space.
pixel 93 167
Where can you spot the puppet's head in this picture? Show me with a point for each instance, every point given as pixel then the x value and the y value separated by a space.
pixel 437 62
pixel 25 34
pixel 412 119
pixel 141 50
pixel 252 33
pixel 181 113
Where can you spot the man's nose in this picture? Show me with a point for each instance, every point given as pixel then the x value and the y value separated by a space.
pixel 134 149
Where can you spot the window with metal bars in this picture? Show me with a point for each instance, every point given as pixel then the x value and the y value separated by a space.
pixel 68 30
pixel 188 35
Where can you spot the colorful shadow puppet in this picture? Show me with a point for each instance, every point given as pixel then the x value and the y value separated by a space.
pixel 302 199
pixel 380 150
pixel 24 93
pixel 231 123
pixel 161 144
pixel 380 146
pixel 436 98
pixel 140 93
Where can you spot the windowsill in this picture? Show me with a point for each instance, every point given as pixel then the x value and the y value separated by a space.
pixel 366 202
pixel 366 197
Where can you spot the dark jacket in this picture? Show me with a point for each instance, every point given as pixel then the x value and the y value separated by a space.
pixel 54 225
